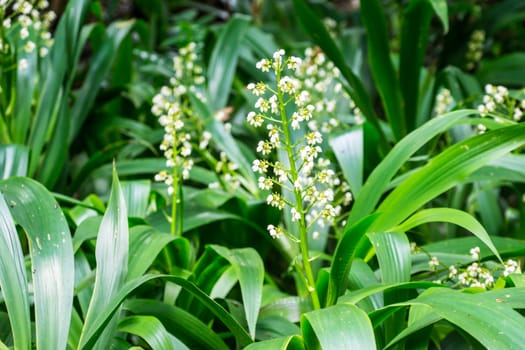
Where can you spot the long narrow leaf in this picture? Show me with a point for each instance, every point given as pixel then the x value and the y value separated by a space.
pixel 223 61
pixel 446 170
pixel 13 279
pixel 51 249
pixel 112 262
pixel 381 66
pixel 380 178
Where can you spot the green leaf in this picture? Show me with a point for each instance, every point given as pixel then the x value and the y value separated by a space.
pixel 145 243
pixel 152 331
pixel 380 178
pixel 183 325
pixel 101 62
pixel 13 160
pixel 453 216
pixel 223 61
pixel 103 318
pixel 393 253
pixel 495 325
pixel 292 342
pixel 37 212
pixel 136 195
pixel 349 151
pixel 441 10
pixel 506 70
pixel 342 326
pixel 249 268
pixel 112 263
pixel 414 37
pixel 381 66
pixel 13 279
pixel 447 169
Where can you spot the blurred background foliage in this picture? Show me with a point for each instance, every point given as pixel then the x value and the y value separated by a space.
pixel 428 159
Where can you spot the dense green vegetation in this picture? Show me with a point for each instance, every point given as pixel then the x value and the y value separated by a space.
pixel 262 174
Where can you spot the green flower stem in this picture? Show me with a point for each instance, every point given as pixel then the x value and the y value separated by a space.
pixel 175 195
pixel 303 233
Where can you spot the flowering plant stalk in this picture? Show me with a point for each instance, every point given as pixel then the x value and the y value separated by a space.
pixel 308 186
pixel 186 141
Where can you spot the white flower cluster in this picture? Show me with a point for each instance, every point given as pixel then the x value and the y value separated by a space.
pixel 321 84
pixel 29 21
pixel 444 102
pixel 308 176
pixel 476 274
pixel 499 101
pixel 169 105
pixel 475 49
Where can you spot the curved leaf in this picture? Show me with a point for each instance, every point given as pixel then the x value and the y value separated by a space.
pixel 35 209
pixel 446 170
pixel 453 216
pixel 187 328
pixel 342 326
pixel 292 342
pixel 349 151
pixel 13 279
pixel 249 268
pixel 13 160
pixel 152 331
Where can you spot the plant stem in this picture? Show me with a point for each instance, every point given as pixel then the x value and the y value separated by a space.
pixel 175 195
pixel 303 233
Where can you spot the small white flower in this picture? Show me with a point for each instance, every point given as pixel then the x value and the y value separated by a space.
pixel 274 231
pixel 433 263
pixel 23 64
pixel 265 183
pixel 296 216
pixel 474 253
pixel 24 33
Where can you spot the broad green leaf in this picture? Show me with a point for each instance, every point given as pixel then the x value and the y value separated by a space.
pixel 342 326
pixel 346 251
pixel 393 253
pixel 349 151
pixel 380 178
pixel 361 276
pixel 136 195
pixel 13 160
pixel 353 297
pixel 145 243
pixel 152 331
pixel 453 216
pixel 103 318
pixel 446 170
pixel 51 250
pixel 112 263
pixel 275 327
pixel 13 279
pixel 178 322
pixel 506 70
pixel 504 245
pixel 223 61
pixel 292 342
pixel 441 10
pixel 249 268
pixel 381 66
pixel 495 325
